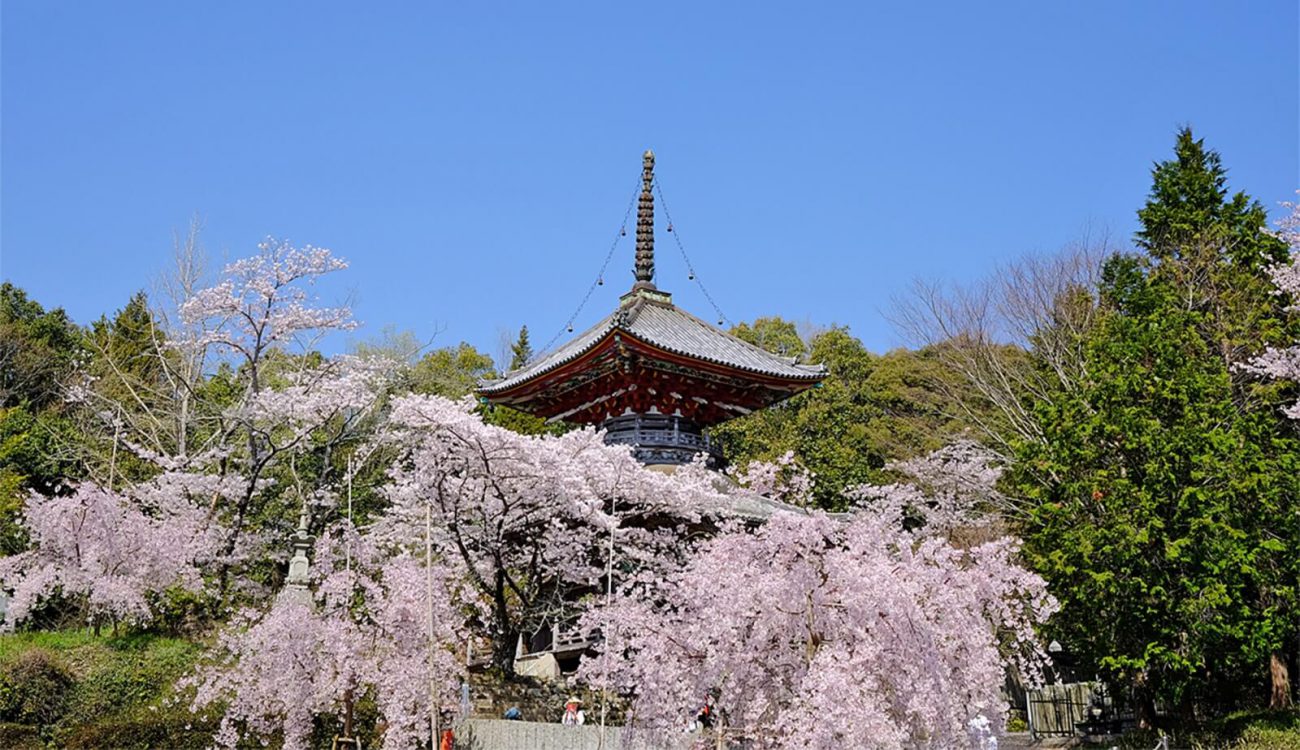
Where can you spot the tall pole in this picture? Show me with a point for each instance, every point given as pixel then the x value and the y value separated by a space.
pixel 428 580
pixel 609 634
pixel 347 548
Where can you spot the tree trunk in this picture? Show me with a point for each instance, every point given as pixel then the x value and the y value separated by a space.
pixel 347 716
pixel 505 639
pixel 1144 702
pixel 503 653
pixel 1280 697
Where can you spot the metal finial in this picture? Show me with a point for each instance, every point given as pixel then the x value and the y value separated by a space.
pixel 645 225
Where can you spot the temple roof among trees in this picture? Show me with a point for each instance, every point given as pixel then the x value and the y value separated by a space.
pixel 649 357
pixel 656 322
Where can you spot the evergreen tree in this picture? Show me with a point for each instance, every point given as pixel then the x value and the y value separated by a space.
pixel 451 372
pixel 1164 492
pixel 37 350
pixel 521 351
pixel 1216 250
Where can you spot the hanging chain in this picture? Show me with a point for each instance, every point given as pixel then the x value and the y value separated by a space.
pixel 600 277
pixel 690 268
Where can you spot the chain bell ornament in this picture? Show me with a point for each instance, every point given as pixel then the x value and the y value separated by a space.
pixel 569 328
pixel 690 276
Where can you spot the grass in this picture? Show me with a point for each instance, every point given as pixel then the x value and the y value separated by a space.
pixel 116 695
pixel 1243 730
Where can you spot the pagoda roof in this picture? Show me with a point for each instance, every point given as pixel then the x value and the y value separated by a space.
pixel 649 316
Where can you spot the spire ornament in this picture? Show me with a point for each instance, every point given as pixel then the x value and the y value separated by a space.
pixel 645 226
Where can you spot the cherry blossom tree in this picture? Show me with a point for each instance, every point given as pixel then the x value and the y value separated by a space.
pixel 819 632
pixel 1275 362
pixel 529 520
pixel 784 480
pixel 244 398
pixel 365 630
pixel 100 549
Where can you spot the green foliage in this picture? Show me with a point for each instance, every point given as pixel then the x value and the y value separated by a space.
pixel 1165 489
pixel 34 688
pixel 1214 250
pixel 37 352
pixel 32 448
pixel 20 736
pixel 871 409
pixel 1141 517
pixel 182 612
pixel 37 348
pixel 1189 200
pixel 454 372
pixel 521 422
pixel 81 690
pixel 125 349
pixel 1244 730
pixel 773 334
pixel 521 351
pixel 451 372
pixel 175 729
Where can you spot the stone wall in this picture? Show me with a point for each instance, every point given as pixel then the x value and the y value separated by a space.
pixel 537 700
pixel 495 734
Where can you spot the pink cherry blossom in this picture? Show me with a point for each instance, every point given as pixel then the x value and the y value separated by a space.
pixel 817 632
pixel 99 547
pixel 365 630
pixel 529 520
pixel 1284 363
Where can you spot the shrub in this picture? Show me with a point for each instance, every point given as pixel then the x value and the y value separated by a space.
pixel 175 730
pixel 34 688
pixel 1277 731
pixel 19 737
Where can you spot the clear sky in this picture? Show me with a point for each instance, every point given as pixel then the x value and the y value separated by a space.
pixel 474 160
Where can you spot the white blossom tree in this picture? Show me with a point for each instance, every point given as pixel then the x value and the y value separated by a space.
pixel 378 623
pixel 244 395
pixel 529 520
pixel 1276 362
pixel 818 632
pixel 99 549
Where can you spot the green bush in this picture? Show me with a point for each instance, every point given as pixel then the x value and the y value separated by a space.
pixel 75 689
pixel 1246 730
pixel 1273 731
pixel 182 612
pixel 132 672
pixel 34 688
pixel 20 737
pixel 175 730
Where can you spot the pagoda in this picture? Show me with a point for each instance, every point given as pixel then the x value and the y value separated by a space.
pixel 650 374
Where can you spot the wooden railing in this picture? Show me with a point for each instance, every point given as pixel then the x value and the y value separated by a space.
pixel 658 434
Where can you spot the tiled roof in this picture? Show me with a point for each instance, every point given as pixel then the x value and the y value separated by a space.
pixel 664 325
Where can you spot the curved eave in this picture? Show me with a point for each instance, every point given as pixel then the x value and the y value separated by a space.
pixel 577 360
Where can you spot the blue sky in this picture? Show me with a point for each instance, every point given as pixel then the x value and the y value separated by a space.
pixel 474 160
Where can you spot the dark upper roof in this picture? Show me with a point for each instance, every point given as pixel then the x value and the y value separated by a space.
pixel 650 316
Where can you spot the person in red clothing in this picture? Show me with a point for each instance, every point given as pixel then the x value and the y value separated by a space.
pixel 573 715
pixel 448 741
